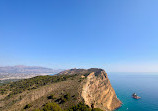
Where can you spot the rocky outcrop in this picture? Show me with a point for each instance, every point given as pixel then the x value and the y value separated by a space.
pixel 97 91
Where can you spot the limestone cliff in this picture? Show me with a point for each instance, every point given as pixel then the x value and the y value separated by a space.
pixel 98 91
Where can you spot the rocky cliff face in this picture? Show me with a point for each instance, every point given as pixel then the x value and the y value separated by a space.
pixel 97 91
pixel 90 86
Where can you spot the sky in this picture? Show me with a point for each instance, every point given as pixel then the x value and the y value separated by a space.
pixel 116 35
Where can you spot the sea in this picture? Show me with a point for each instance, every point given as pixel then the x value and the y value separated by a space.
pixel 144 85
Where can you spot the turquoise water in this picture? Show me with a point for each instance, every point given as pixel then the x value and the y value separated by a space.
pixel 144 84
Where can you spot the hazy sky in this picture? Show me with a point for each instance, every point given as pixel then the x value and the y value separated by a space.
pixel 117 35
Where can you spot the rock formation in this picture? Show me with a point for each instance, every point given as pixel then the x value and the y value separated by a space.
pixel 98 91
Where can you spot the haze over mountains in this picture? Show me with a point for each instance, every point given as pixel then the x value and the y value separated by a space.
pixel 26 69
pixel 21 71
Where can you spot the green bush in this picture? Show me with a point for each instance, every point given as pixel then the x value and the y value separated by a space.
pixel 52 107
pixel 51 96
pixel 80 107
pixel 67 96
pixel 27 106
pixel 63 99
pixel 2 91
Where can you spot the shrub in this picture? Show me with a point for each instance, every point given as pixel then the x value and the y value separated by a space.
pixel 67 96
pixel 52 107
pixel 27 106
pixel 80 107
pixel 62 100
pixel 2 91
pixel 51 96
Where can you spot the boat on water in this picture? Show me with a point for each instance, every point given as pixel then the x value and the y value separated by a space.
pixel 134 95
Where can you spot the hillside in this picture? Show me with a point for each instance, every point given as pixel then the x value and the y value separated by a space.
pixel 70 89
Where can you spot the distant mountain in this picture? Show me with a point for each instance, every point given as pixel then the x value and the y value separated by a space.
pixel 27 69
pixel 22 72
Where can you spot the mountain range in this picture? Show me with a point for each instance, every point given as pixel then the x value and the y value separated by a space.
pixel 27 69
pixel 21 72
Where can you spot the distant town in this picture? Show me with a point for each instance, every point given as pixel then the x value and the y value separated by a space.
pixel 23 72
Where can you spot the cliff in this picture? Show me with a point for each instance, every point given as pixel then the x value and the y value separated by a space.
pixel 91 87
pixel 98 91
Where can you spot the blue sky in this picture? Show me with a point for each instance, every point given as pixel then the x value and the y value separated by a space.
pixel 117 35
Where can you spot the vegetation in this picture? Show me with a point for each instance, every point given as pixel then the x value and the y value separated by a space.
pixel 80 107
pixel 67 96
pixel 27 106
pixel 96 109
pixel 3 82
pixel 51 96
pixel 32 83
pixel 55 107
pixel 63 98
pixel 83 107
pixel 3 91
pixel 52 107
pixel 36 110
pixel 86 74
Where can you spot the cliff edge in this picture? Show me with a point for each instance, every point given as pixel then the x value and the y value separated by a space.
pixel 96 89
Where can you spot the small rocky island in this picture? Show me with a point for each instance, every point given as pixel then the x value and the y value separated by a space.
pixel 134 95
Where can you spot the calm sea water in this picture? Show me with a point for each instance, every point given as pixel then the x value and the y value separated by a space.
pixel 144 84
